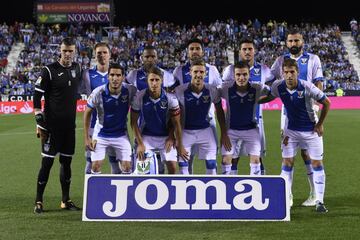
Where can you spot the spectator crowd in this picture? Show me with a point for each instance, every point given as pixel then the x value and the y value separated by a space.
pixel 127 43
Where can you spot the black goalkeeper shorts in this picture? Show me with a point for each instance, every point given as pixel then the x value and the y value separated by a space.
pixel 59 141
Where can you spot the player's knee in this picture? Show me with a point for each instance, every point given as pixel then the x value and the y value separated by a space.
pixel 171 167
pixel 210 164
pixel 288 162
pixel 227 159
pixel 254 159
pixel 65 160
pixel 316 164
pixel 126 167
pixel 47 163
pixel 96 166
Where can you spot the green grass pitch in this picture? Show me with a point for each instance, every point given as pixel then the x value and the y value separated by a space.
pixel 20 162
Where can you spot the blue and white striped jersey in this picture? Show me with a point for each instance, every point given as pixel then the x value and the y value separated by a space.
pixel 138 78
pixel 195 108
pixel 182 74
pixel 93 79
pixel 242 108
pixel 299 103
pixel 111 110
pixel 309 67
pixel 155 113
pixel 259 73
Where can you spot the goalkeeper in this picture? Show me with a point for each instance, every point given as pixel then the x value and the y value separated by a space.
pixel 58 84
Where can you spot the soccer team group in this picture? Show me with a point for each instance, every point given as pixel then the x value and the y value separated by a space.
pixel 173 114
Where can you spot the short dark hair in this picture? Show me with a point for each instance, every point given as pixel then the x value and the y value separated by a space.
pixel 242 64
pixel 289 62
pixel 68 41
pixel 149 47
pixel 246 40
pixel 102 44
pixel 116 66
pixel 195 40
pixel 157 71
pixel 198 62
pixel 293 31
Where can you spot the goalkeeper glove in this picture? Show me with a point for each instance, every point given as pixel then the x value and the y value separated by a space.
pixel 40 120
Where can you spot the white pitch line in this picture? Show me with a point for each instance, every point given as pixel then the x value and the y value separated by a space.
pixel 26 133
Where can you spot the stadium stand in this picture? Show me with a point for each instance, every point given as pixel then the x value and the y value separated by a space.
pixel 127 43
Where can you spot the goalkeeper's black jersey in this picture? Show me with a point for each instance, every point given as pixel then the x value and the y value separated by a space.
pixel 60 86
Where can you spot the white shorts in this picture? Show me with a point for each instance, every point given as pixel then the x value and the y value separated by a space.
pixel 93 134
pixel 121 146
pixel 195 148
pixel 158 143
pixel 241 151
pixel 310 140
pixel 284 121
pixel 203 139
pixel 249 140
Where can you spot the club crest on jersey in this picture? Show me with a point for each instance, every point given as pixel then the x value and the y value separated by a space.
pixel 304 61
pixel 257 71
pixel 206 99
pixel 300 94
pixel 73 73
pixel 251 97
pixel 124 98
pixel 163 104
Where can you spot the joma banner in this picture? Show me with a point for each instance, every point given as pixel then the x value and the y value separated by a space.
pixel 185 198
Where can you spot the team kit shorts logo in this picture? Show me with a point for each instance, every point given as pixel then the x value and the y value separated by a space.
pixel 46 147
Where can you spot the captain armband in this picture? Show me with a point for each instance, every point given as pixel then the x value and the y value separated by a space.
pixel 175 112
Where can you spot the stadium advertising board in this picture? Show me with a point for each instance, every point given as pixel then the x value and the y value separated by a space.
pixel 185 198
pixel 88 17
pixel 52 18
pixel 336 103
pixel 16 98
pixel 26 107
pixel 73 11
pixel 16 104
pixel 75 7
